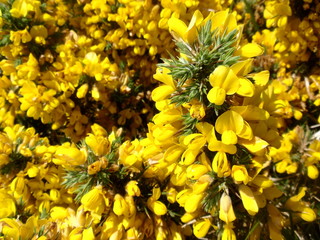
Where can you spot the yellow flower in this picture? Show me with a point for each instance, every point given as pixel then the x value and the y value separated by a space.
pixel 94 167
pixel 240 174
pixel 69 155
pixel 20 36
pixel 228 233
pixel 226 212
pixel 19 187
pixel 224 82
pixel 39 33
pixel 250 50
pixel 184 32
pixel 193 202
pixel 156 206
pixel 201 227
pixel 29 70
pixel 98 144
pixel 222 20
pixel 21 8
pixel 98 130
pixel 95 201
pixel 275 222
pixel 120 206
pixel 82 90
pixel 312 172
pixel 195 171
pixel 248 200
pixel 220 165
pixel 213 143
pixel 59 213
pixel 231 125
pixel 7 204
pixel 10 228
pixel 93 66
pixel 301 207
pixel 277 13
pixel 132 188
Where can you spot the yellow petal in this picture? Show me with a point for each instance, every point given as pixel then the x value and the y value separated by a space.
pixel 228 233
pixel 173 153
pixel 254 145
pixel 246 88
pixel 191 34
pixel 220 165
pixel 313 172
pixel 88 234
pixel 250 50
pixel 195 171
pixel 178 27
pixel 248 200
pixel 272 193
pixel 251 112
pixel 189 156
pixel 218 76
pixel 308 214
pixel 194 141
pixel 159 208
pixel 119 206
pixel 261 78
pixel 161 93
pixel 246 131
pixel 217 95
pixel 230 23
pixel 242 68
pixel 229 120
pixel 240 174
pixel 193 203
pixel 229 137
pixel 218 19
pixel 162 75
pixel 201 228
pixel 226 212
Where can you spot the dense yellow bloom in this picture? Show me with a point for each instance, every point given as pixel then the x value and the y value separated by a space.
pixel 80 69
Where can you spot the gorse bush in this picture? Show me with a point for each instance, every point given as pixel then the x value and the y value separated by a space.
pixel 159 119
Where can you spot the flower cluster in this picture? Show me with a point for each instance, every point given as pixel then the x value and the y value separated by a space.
pixel 69 64
pixel 159 120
